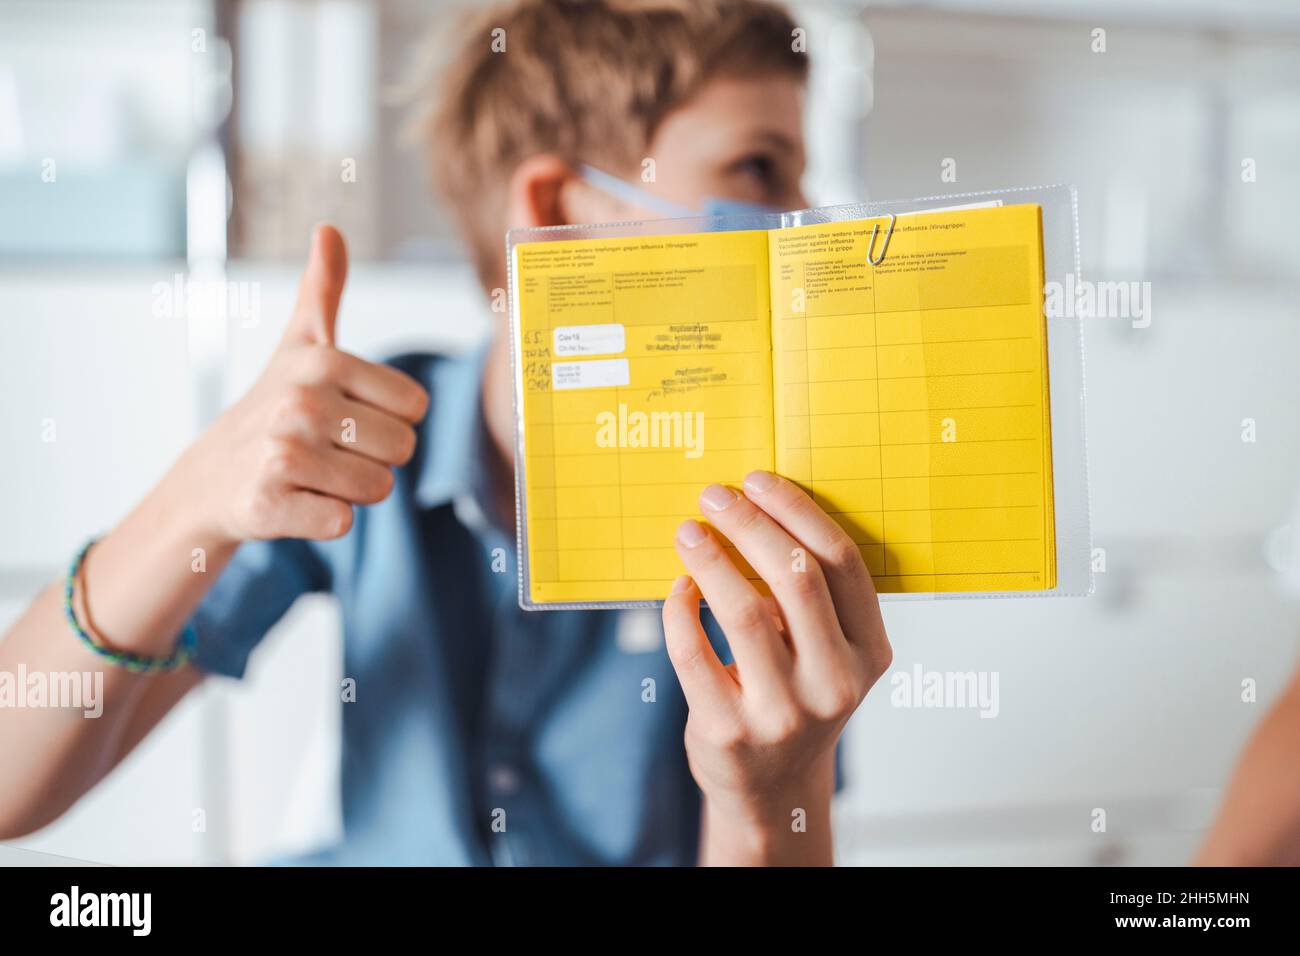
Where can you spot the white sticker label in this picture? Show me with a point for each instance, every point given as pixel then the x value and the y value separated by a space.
pixel 590 340
pixel 598 373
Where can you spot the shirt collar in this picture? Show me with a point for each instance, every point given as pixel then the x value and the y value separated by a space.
pixel 452 435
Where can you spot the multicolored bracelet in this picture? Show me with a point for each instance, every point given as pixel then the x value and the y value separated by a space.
pixel 136 663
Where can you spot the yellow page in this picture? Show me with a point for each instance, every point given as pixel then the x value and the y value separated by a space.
pixel 646 370
pixel 912 397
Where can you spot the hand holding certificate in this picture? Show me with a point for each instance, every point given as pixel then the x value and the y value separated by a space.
pixel 906 392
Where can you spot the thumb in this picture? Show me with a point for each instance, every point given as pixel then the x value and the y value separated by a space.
pixel 320 289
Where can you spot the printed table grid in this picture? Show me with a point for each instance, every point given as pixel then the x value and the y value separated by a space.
pixel 821 485
pixel 546 534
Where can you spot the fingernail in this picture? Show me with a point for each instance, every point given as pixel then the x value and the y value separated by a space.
pixel 691 533
pixel 683 583
pixel 760 481
pixel 717 497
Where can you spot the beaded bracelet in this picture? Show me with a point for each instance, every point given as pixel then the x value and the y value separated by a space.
pixel 136 663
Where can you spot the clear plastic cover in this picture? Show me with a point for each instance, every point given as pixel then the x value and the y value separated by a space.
pixel 1065 363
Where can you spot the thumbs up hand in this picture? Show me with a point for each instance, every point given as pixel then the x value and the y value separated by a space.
pixel 319 290
pixel 319 432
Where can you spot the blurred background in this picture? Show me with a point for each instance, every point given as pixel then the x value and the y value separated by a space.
pixel 144 143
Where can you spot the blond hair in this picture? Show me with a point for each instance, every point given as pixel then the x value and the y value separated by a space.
pixel 585 80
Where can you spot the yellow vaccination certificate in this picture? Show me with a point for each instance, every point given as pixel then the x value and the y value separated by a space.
pixel 909 399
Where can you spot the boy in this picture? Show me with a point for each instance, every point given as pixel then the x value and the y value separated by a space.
pixel 482 733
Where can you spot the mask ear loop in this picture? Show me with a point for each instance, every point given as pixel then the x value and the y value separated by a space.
pixel 632 195
pixel 872 244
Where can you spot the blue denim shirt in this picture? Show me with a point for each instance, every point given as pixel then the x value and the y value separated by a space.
pixel 480 733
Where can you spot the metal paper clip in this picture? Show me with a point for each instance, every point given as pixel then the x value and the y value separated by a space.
pixel 872 245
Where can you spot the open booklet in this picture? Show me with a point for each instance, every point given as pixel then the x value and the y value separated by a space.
pixel 909 399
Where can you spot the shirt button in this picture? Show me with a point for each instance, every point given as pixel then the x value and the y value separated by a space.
pixel 503 779
pixel 639 631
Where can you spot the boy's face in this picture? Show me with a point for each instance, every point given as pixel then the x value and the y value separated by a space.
pixel 738 138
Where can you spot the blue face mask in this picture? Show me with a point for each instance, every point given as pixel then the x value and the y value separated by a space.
pixel 711 206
